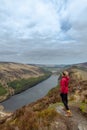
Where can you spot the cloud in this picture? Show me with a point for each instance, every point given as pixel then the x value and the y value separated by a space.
pixel 47 28
pixel 23 18
pixel 78 19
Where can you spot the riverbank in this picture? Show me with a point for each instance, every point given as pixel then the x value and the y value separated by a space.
pixel 23 84
pixel 4 115
pixel 16 77
pixel 46 113
pixel 30 95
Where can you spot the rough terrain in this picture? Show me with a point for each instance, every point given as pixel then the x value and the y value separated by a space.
pixel 47 114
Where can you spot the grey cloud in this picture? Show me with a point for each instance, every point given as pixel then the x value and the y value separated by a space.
pixel 31 25
pixel 48 56
pixel 5 53
pixel 56 55
pixel 53 33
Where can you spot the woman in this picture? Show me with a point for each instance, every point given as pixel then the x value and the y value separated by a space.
pixel 64 91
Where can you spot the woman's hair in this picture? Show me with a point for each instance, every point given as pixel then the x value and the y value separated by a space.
pixel 65 73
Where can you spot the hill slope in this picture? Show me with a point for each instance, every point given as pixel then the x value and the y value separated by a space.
pixel 17 77
pixel 45 113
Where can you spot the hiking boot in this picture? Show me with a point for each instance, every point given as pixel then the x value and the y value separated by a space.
pixel 68 113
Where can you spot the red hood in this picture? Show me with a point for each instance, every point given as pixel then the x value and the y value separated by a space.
pixel 66 77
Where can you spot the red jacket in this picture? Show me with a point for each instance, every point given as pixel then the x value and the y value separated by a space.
pixel 64 84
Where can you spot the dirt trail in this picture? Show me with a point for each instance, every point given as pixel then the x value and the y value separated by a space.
pixel 77 121
pixel 78 118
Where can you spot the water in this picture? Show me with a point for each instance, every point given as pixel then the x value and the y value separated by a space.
pixel 30 95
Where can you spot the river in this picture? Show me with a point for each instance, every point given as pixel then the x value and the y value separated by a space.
pixel 30 95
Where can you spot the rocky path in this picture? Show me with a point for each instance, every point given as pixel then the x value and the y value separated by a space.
pixel 79 118
pixel 77 121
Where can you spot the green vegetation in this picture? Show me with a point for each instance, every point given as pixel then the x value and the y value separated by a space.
pixel 29 120
pixel 47 115
pixel 53 91
pixel 3 91
pixel 50 68
pixel 83 108
pixel 22 84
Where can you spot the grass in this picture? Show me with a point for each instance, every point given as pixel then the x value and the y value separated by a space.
pixel 83 108
pixel 53 90
pixel 47 115
pixel 30 120
pixel 3 91
pixel 22 84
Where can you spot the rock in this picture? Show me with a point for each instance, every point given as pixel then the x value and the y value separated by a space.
pixel 58 125
pixel 60 110
pixel 82 126
pixel 1 108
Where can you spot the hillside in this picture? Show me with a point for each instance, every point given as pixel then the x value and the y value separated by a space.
pixel 15 78
pixel 47 114
pixel 82 64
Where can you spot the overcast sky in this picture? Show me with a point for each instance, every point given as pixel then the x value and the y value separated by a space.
pixel 43 31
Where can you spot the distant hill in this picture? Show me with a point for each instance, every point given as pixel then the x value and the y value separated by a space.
pixel 53 68
pixel 15 77
pixel 12 71
pixel 81 65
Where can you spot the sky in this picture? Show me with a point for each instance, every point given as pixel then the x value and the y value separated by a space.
pixel 43 31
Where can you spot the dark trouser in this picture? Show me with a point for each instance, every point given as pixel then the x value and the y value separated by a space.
pixel 65 100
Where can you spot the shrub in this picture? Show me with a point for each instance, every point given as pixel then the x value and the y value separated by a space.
pixel 22 84
pixel 83 108
pixel 53 91
pixel 3 91
pixel 48 114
